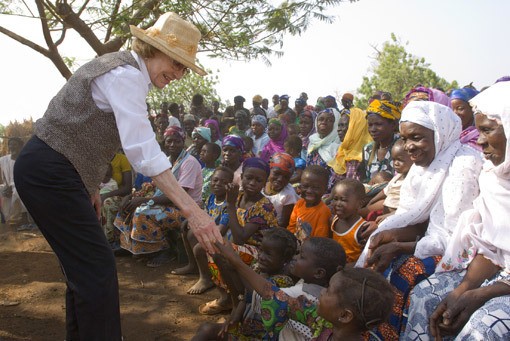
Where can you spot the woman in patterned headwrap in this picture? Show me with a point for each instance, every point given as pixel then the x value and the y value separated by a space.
pixel 421 93
pixel 215 130
pixel 147 216
pixel 277 135
pixel 200 136
pixel 460 105
pixel 382 119
pixel 232 151
pixel 258 133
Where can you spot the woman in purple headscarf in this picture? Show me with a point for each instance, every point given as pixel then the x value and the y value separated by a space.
pixel 232 154
pixel 215 131
pixel 460 105
pixel 421 93
pixel 277 135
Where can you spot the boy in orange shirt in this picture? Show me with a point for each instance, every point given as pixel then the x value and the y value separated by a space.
pixel 346 228
pixel 310 216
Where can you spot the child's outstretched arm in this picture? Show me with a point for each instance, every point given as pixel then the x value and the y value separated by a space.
pixel 256 281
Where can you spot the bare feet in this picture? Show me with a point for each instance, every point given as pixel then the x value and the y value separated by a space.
pixel 201 286
pixel 185 270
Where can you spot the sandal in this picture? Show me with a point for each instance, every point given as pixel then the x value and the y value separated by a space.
pixel 213 308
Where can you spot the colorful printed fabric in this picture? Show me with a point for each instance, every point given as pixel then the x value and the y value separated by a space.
pixel 218 211
pixel 384 109
pixel 282 161
pixel 176 131
pixel 234 141
pixel 144 231
pixel 251 327
pixel 403 274
pixel 280 308
pixel 489 322
pixel 372 165
pixel 261 213
pixel 206 187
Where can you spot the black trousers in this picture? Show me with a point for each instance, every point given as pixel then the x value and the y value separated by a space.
pixel 55 196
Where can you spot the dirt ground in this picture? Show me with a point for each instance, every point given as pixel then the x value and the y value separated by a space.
pixel 154 303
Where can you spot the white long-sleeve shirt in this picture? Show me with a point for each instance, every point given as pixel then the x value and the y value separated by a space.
pixel 123 91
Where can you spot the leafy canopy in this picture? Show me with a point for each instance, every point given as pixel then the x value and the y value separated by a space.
pixel 397 71
pixel 231 29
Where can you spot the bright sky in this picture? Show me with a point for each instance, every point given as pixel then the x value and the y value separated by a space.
pixel 461 39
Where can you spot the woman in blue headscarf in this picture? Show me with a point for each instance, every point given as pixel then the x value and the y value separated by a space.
pixel 460 104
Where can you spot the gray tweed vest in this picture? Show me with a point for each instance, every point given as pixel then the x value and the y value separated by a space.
pixel 75 127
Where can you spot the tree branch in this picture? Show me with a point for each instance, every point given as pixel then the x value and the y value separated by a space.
pixel 53 53
pixel 25 41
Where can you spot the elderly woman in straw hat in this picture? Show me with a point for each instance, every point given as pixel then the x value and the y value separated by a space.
pixel 101 108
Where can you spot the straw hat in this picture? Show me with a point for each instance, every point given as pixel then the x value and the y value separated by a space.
pixel 175 37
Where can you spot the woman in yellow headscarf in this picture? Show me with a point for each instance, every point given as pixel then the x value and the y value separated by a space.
pixel 382 119
pixel 353 131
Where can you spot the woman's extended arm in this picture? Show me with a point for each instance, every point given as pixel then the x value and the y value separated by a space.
pixel 200 223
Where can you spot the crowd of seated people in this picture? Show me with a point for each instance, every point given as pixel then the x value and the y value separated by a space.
pixel 338 222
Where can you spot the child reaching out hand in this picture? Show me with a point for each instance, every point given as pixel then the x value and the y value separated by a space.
pixel 356 300
pixel 216 207
pixel 245 323
pixel 250 213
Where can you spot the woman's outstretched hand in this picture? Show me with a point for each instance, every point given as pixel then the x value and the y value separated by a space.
pixel 205 230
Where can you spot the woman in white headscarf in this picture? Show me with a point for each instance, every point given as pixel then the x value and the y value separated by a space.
pixel 440 185
pixel 472 282
pixel 325 142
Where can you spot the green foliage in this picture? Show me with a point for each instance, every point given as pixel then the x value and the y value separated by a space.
pixel 231 29
pixel 182 91
pixel 397 71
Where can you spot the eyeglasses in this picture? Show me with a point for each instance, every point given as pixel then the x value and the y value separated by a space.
pixel 180 67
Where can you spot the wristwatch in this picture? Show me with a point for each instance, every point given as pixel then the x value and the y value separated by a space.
pixel 150 203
